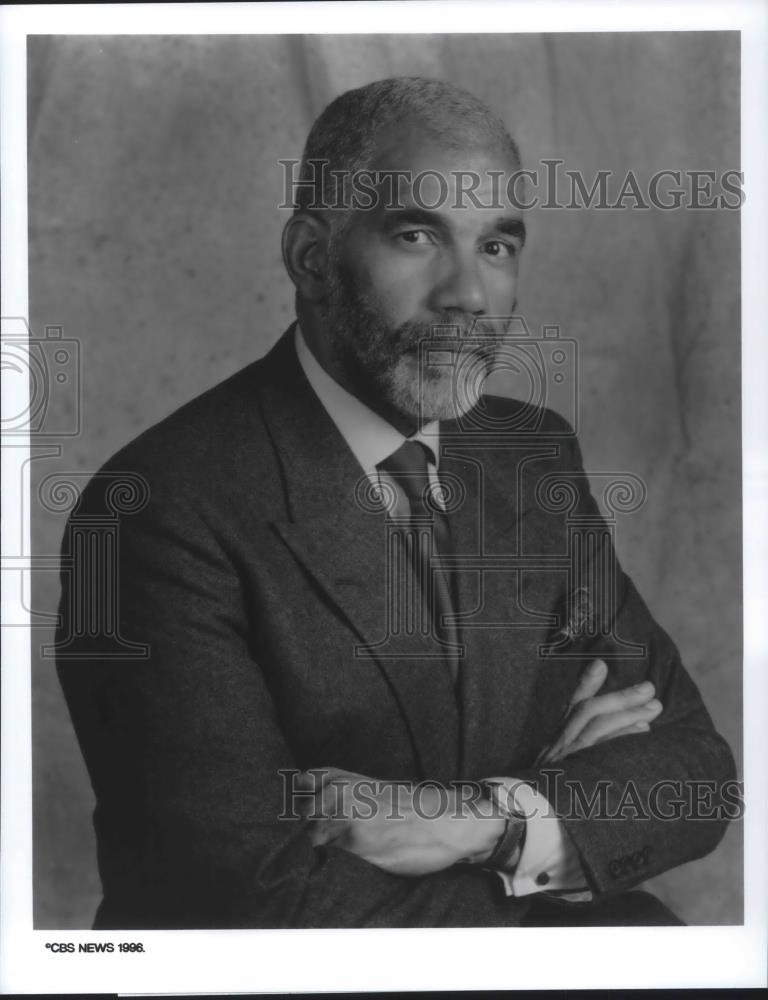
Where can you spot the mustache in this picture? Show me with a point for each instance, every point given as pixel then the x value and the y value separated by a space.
pixel 446 329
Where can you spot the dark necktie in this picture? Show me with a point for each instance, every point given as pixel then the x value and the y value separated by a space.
pixel 426 537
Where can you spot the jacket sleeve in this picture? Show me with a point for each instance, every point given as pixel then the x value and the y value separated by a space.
pixel 184 749
pixel 637 805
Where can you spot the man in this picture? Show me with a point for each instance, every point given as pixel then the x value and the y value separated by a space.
pixel 356 588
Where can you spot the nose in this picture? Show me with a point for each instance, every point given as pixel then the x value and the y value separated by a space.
pixel 461 286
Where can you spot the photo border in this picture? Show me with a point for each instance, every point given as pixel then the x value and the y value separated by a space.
pixel 397 959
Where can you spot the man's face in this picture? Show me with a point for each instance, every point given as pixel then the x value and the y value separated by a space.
pixel 395 273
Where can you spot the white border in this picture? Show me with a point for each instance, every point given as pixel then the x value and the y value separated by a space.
pixel 280 961
pixel 411 16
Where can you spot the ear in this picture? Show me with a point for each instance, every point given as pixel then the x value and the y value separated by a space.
pixel 305 253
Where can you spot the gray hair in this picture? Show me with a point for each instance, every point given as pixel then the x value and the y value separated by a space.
pixel 344 136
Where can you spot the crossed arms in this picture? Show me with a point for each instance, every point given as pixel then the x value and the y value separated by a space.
pixel 185 752
pixel 412 836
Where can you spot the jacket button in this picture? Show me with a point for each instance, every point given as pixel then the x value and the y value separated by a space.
pixel 542 878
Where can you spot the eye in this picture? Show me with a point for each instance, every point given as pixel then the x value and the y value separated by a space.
pixel 498 248
pixel 415 237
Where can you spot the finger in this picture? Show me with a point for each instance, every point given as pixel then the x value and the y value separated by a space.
pixel 583 744
pixel 580 744
pixel 605 704
pixel 607 725
pixel 590 682
pixel 632 730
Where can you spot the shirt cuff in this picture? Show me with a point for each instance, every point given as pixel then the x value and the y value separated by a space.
pixel 549 861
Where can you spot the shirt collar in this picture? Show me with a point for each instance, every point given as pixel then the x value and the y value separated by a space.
pixel 369 436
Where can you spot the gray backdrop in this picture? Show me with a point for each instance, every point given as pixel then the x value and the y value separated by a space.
pixel 155 243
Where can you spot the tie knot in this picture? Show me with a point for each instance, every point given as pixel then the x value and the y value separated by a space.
pixel 408 467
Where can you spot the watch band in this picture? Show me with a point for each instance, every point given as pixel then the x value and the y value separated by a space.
pixel 509 847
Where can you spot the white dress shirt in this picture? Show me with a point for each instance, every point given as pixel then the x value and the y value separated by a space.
pixel 548 861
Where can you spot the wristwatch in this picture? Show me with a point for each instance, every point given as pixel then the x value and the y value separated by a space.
pixel 509 847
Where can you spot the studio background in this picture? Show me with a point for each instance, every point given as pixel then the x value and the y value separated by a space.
pixel 154 242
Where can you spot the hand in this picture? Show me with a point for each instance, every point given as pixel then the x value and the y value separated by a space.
pixel 402 828
pixel 590 720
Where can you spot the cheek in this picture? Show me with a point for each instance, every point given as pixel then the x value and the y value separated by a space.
pixel 501 284
pixel 397 284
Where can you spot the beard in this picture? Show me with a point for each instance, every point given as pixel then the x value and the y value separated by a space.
pixel 423 370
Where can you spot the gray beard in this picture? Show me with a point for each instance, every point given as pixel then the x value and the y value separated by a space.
pixel 396 365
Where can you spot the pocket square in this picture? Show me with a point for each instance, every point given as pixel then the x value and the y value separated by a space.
pixel 579 615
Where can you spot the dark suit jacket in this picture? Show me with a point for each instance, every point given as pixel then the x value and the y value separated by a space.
pixel 255 578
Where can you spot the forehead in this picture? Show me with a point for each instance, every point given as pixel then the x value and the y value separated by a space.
pixel 443 174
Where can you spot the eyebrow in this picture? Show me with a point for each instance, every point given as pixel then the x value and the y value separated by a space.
pixel 511 227
pixel 416 216
pixel 412 216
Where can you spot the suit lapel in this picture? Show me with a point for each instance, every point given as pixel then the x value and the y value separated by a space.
pixel 338 532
